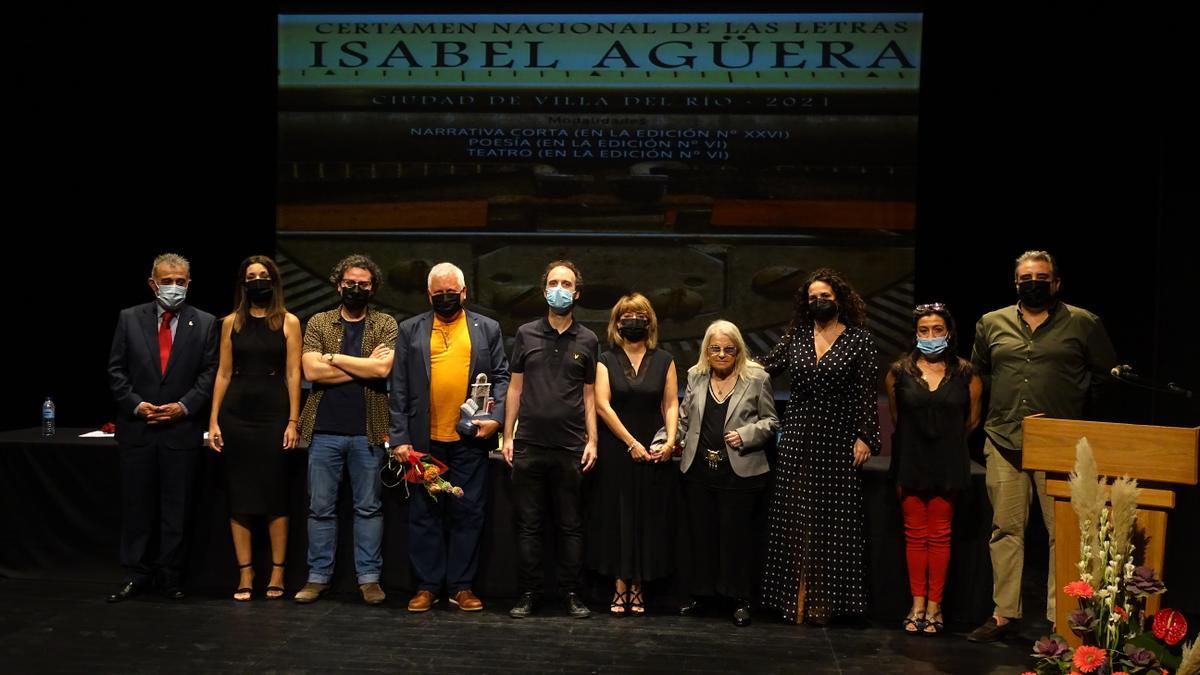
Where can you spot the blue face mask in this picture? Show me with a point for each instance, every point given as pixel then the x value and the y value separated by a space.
pixel 931 346
pixel 560 300
pixel 171 297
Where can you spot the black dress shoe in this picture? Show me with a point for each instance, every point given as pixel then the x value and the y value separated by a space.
pixel 524 607
pixel 693 608
pixel 174 593
pixel 575 607
pixel 991 631
pixel 127 591
pixel 741 615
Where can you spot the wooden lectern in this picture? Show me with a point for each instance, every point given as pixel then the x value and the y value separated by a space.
pixel 1155 456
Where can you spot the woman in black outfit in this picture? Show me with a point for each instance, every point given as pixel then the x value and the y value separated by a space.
pixel 816 565
pixel 633 493
pixel 255 412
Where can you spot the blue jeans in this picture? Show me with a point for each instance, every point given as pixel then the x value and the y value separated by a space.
pixel 327 454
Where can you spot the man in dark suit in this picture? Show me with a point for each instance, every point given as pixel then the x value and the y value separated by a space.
pixel 161 369
pixel 438 356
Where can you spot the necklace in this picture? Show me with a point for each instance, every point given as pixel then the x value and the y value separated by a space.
pixel 721 394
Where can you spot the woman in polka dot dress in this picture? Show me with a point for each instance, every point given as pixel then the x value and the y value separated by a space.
pixel 815 567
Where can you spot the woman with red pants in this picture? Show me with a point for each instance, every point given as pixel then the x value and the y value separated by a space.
pixel 935 402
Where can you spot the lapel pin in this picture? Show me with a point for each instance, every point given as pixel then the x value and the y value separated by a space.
pixel 191 324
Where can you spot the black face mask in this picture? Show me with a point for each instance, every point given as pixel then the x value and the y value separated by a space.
pixel 633 330
pixel 447 304
pixel 1035 293
pixel 259 290
pixel 822 310
pixel 355 298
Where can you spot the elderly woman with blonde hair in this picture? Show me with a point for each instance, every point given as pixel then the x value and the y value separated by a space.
pixel 726 420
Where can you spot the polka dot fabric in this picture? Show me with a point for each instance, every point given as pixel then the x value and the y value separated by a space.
pixel 815 518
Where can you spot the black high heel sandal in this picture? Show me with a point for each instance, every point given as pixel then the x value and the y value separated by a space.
pixel 935 624
pixel 637 606
pixel 247 591
pixel 620 603
pixel 276 592
pixel 914 623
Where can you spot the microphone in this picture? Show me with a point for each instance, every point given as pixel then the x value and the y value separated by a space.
pixel 1125 372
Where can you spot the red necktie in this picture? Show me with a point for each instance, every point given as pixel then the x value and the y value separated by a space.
pixel 164 340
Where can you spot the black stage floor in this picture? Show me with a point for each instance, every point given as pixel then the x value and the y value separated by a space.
pixel 57 626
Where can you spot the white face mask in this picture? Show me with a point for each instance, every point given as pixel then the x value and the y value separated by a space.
pixel 171 297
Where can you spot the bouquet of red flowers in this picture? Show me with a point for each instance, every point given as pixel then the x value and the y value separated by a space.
pixel 426 470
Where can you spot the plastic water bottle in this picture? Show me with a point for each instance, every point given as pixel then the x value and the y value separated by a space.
pixel 48 418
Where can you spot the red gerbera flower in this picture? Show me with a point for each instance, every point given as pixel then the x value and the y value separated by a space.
pixel 1120 611
pixel 1079 589
pixel 1088 658
pixel 1169 626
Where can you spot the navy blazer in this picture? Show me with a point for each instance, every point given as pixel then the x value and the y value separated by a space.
pixel 410 376
pixel 135 374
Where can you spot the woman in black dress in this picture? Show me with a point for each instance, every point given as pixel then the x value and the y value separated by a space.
pixel 815 567
pixel 629 512
pixel 255 410
pixel 935 402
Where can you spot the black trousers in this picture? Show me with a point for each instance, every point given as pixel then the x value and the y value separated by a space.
pixel 539 472
pixel 156 496
pixel 721 524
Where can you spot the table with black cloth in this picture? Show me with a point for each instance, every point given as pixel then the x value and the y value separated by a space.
pixel 60 519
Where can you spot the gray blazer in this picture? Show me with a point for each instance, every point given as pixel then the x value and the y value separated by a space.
pixel 751 413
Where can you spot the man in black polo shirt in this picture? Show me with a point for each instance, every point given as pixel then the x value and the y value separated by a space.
pixel 552 405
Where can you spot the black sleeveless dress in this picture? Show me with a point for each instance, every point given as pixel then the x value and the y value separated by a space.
pixel 630 520
pixel 253 417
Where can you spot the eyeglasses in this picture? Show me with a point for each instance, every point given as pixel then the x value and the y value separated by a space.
pixel 931 307
pixel 717 351
pixel 348 283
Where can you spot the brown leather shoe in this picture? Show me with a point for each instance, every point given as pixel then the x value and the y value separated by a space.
pixel 466 601
pixel 423 601
pixel 372 593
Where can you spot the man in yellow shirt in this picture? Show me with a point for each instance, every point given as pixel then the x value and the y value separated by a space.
pixel 438 355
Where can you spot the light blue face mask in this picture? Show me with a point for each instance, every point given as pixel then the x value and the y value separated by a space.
pixel 171 297
pixel 932 346
pixel 560 300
